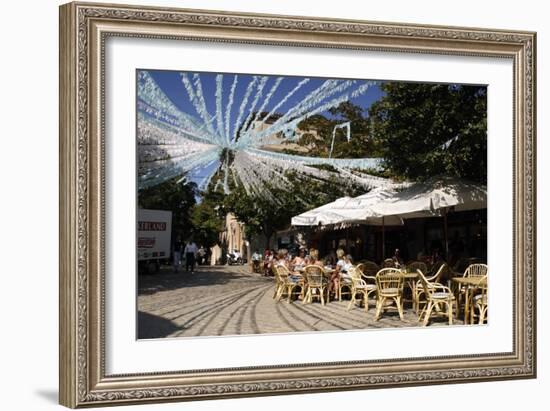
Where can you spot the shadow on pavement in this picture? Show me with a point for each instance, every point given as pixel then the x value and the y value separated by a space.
pixel 152 326
pixel 166 279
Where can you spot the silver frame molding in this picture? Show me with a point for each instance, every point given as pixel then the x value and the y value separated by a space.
pixel 84 27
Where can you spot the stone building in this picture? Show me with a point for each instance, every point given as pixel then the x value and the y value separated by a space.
pixel 231 238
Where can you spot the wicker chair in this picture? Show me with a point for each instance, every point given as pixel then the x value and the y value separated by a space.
pixel 417 265
pixel 278 281
pixel 360 285
pixel 388 263
pixel 436 295
pixel 479 302
pixel 288 284
pixel 346 284
pixel 473 270
pixel 278 284
pixel 389 286
pixel 317 284
pixel 420 296
pixel 445 275
pixel 410 283
pixel 368 268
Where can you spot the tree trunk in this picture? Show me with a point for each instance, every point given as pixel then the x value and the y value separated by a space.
pixel 268 234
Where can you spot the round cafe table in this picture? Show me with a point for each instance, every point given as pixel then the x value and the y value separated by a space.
pixel 410 280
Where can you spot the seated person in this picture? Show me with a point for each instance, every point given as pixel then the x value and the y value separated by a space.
pixel 398 261
pixel 256 256
pixel 335 276
pixel 281 259
pixel 314 258
pixel 346 268
pixel 299 260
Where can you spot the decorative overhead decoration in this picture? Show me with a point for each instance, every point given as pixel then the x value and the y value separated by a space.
pixel 173 143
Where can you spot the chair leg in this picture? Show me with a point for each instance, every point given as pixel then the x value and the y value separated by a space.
pixel 351 301
pixel 428 314
pixel 366 301
pixel 379 304
pixel 399 303
pixel 306 298
pixel 367 295
pixel 278 294
pixel 450 311
pixel 423 311
pixel 483 315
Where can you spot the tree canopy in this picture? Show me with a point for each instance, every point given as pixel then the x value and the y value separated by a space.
pixel 207 218
pixel 426 130
pixel 176 196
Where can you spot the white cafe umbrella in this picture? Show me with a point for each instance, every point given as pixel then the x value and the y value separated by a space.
pixel 434 198
pixel 351 210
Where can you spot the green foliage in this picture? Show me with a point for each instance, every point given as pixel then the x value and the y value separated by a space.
pixel 426 130
pixel 263 215
pixel 173 196
pixel 207 219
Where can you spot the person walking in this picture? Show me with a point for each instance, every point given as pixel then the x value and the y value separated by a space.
pixel 202 255
pixel 177 256
pixel 190 253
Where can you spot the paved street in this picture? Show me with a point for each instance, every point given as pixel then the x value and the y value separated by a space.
pixel 224 300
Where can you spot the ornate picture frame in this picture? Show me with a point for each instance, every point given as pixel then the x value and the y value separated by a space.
pixel 84 29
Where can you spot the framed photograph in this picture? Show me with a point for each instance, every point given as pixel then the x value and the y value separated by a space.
pixel 262 205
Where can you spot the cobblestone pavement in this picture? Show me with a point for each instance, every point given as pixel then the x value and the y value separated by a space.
pixel 224 300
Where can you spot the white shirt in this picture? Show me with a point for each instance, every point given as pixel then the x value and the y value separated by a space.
pixel 191 248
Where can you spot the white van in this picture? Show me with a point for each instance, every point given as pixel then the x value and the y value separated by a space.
pixel 154 232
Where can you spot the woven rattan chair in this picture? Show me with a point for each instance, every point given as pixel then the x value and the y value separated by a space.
pixel 317 284
pixel 369 268
pixel 278 282
pixel 444 275
pixel 389 286
pixel 478 302
pixel 417 265
pixel 436 296
pixel 345 283
pixel 420 296
pixel 473 270
pixel 388 263
pixel 288 284
pixel 360 286
pixel 410 284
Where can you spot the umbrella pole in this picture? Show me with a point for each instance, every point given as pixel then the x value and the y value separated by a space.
pixel 383 240
pixel 445 234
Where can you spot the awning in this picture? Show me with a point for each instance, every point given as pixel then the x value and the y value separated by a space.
pixel 432 198
pixel 349 210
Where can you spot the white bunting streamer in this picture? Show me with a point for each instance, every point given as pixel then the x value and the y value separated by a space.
pixel 225 148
